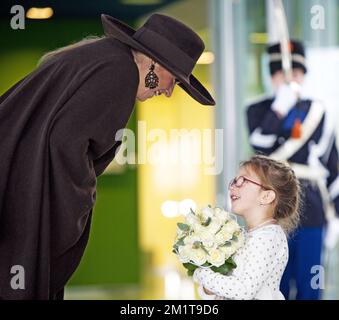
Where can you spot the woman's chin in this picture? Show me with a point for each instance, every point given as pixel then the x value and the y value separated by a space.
pixel 144 97
pixel 141 99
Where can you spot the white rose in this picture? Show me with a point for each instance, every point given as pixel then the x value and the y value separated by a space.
pixel 191 219
pixel 207 213
pixel 217 210
pixel 214 226
pixel 197 227
pixel 208 242
pixel 203 234
pixel 216 257
pixel 231 226
pixel 205 237
pixel 184 253
pixel 219 238
pixel 198 256
pixel 221 214
pixel 228 250
pixel 222 236
pixel 189 240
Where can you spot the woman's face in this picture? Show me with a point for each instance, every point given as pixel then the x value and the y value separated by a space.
pixel 245 198
pixel 165 86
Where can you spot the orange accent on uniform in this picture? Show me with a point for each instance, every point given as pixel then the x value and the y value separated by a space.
pixel 296 130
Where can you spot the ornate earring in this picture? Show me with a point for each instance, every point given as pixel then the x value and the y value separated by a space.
pixel 151 79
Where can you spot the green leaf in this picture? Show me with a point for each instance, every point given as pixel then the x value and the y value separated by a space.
pixel 234 238
pixel 189 266
pixel 196 244
pixel 231 262
pixel 180 242
pixel 210 206
pixel 224 269
pixel 208 221
pixel 219 230
pixel 183 226
pixel 226 244
pixel 190 273
pixel 228 266
pixel 203 248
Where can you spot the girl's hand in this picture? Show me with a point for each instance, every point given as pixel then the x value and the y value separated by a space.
pixel 208 292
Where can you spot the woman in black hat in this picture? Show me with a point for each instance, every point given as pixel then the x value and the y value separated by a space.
pixel 58 127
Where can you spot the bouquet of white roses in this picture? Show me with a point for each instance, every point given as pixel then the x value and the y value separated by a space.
pixel 208 239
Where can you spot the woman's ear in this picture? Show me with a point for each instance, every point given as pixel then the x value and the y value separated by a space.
pixel 268 197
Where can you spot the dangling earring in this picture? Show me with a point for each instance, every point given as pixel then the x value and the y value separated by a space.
pixel 151 79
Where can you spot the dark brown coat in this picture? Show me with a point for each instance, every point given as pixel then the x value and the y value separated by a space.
pixel 57 129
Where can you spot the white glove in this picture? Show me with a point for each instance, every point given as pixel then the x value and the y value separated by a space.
pixel 286 98
pixel 332 233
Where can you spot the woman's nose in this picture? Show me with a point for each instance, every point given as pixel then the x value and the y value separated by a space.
pixel 168 93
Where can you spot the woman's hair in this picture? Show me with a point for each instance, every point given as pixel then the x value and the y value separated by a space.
pixel 280 178
pixel 89 39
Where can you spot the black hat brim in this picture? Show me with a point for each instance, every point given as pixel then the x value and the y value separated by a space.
pixel 124 33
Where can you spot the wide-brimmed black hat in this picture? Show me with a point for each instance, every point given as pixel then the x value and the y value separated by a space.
pixel 297 54
pixel 168 42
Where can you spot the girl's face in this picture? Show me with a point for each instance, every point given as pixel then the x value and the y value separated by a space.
pixel 245 192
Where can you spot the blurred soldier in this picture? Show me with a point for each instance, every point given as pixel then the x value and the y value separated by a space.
pixel 287 127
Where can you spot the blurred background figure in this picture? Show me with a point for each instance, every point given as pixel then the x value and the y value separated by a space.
pixel 288 128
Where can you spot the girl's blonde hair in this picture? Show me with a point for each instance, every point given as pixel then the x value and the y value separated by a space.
pixel 280 178
pixel 48 55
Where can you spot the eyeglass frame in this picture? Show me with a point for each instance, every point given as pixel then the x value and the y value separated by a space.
pixel 232 183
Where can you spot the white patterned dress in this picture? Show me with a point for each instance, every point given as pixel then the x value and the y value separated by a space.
pixel 260 265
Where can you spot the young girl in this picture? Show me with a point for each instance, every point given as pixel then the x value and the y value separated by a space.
pixel 266 194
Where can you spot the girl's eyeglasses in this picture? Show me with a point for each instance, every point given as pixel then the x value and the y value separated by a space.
pixel 239 181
